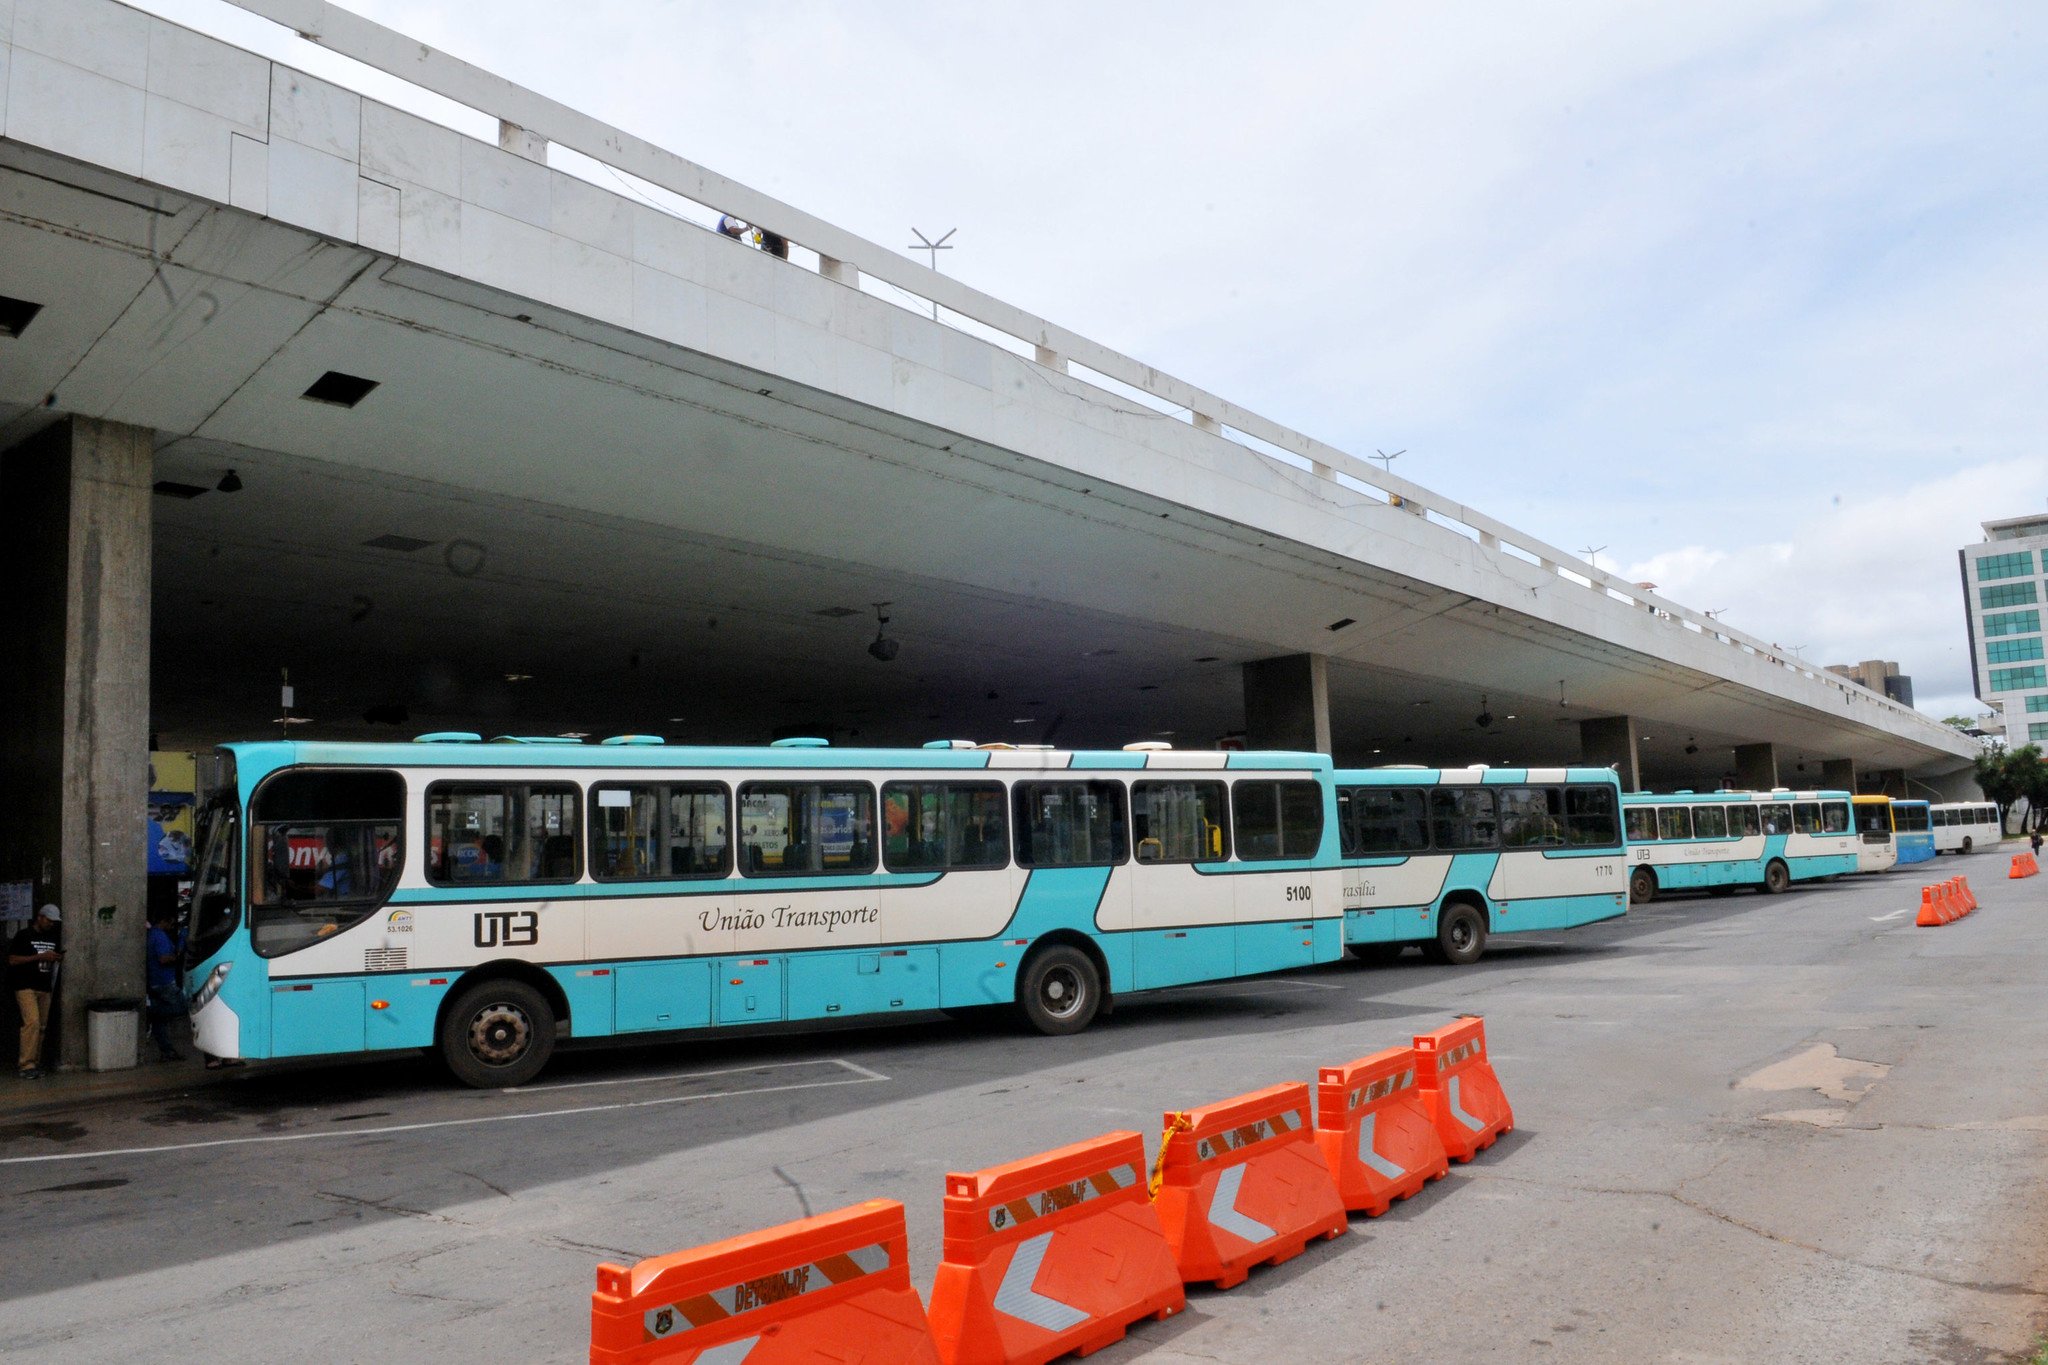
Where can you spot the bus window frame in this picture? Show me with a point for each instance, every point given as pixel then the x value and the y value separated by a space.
pixel 823 786
pixel 666 787
pixel 577 838
pixel 984 785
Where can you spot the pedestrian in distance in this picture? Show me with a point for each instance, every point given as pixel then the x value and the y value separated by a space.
pixel 166 999
pixel 32 959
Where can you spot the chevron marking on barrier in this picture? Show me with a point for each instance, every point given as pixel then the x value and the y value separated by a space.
pixel 1223 1211
pixel 1458 1106
pixel 1018 1299
pixel 1372 1158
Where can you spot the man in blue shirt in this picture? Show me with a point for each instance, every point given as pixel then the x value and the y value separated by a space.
pixel 166 997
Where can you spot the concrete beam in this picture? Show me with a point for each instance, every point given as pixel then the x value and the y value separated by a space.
pixel 1611 742
pixel 1756 767
pixel 1287 703
pixel 74 697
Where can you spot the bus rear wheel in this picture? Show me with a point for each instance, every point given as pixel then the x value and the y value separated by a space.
pixel 1460 935
pixel 1059 991
pixel 1642 886
pixel 497 1034
pixel 1776 878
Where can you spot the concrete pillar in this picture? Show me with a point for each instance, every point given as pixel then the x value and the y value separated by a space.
pixel 74 696
pixel 1287 703
pixel 1610 742
pixel 1838 774
pixel 1756 767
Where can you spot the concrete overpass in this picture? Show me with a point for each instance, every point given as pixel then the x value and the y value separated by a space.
pixel 521 444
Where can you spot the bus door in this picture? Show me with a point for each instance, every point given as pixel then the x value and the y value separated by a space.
pixel 1181 884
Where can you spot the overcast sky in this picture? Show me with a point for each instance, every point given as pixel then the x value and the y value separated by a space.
pixel 1750 293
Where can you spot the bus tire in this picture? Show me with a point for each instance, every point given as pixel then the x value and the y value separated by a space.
pixel 1776 878
pixel 496 1034
pixel 1642 886
pixel 1059 990
pixel 1377 954
pixel 1460 934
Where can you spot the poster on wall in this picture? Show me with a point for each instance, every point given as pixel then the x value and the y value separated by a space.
pixel 171 812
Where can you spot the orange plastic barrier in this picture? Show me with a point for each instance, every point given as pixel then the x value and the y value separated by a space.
pixel 1051 1254
pixel 1930 913
pixel 789 1295
pixel 1375 1134
pixel 1243 1185
pixel 1459 1089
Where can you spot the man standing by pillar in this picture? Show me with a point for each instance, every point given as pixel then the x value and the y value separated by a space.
pixel 32 960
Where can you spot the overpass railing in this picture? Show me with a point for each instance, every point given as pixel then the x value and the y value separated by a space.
pixel 529 123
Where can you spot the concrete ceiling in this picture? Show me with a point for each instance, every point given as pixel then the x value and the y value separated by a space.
pixel 606 533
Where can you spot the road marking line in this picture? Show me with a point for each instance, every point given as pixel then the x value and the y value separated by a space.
pixel 865 1078
pixel 682 1076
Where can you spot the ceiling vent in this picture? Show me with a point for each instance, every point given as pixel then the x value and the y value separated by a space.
pixel 16 314
pixel 341 390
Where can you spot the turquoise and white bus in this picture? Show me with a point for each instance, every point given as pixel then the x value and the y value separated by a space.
pixel 1445 858
pixel 1876 849
pixel 1965 826
pixel 1717 841
pixel 1913 832
pixel 481 899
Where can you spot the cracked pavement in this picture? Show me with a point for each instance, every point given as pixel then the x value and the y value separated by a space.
pixel 1748 1129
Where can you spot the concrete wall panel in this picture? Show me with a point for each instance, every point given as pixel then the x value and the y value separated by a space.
pixel 399 147
pixel 203 73
pixel 74 112
pixel 96 35
pixel 312 189
pixel 187 149
pixel 315 114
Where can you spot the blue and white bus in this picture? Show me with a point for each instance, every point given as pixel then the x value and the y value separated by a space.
pixel 481 899
pixel 1912 832
pixel 1965 826
pixel 1717 841
pixel 1876 850
pixel 1445 858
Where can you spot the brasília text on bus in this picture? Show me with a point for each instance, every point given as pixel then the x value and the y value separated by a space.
pixel 481 900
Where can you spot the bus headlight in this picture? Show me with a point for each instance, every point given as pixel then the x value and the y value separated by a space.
pixel 202 997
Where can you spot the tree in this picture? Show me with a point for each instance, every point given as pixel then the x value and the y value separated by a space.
pixel 2009 776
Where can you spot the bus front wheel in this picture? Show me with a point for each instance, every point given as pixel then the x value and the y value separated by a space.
pixel 1460 935
pixel 1776 878
pixel 497 1034
pixel 1642 886
pixel 1059 990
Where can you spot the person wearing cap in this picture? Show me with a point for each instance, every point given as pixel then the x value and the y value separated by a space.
pixel 32 960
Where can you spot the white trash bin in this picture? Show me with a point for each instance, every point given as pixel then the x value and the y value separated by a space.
pixel 113 1034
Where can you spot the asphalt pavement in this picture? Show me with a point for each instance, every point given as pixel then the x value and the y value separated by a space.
pixel 1748 1128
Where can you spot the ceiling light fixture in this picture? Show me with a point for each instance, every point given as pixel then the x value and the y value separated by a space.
pixel 882 647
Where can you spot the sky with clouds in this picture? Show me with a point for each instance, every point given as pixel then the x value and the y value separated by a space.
pixel 1753 294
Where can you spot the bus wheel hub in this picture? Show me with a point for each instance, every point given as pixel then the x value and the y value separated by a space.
pixel 499 1033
